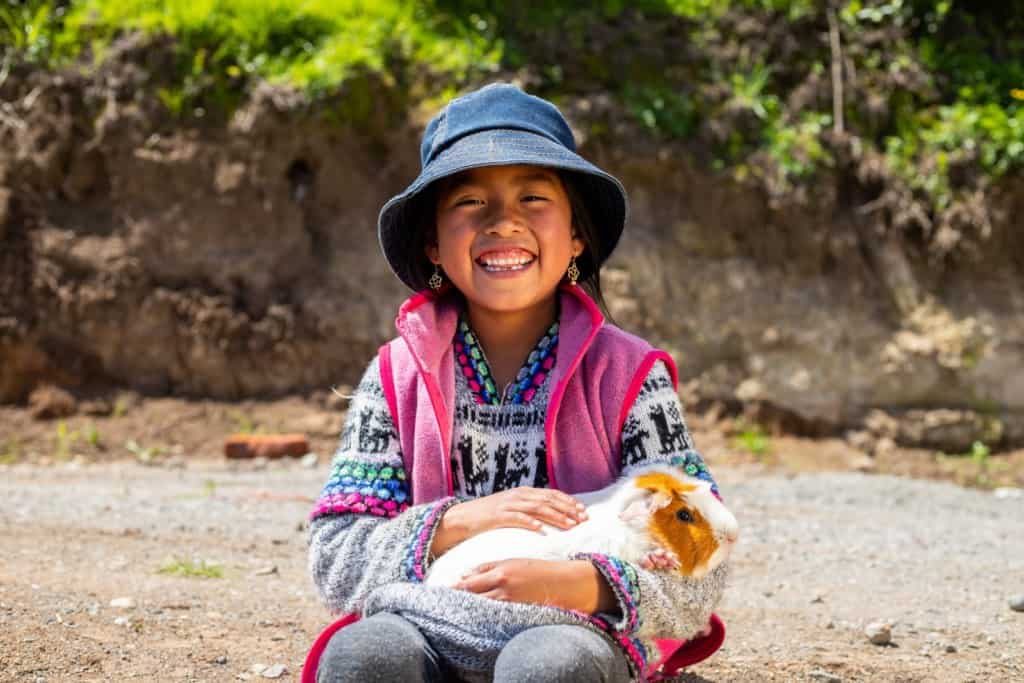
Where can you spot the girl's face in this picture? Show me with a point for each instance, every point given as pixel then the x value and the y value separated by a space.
pixel 504 236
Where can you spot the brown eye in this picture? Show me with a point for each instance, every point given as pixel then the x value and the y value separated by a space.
pixel 683 515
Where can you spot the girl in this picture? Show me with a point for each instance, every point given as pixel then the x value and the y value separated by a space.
pixel 451 433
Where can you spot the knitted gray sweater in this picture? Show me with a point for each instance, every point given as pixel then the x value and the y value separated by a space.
pixel 367 550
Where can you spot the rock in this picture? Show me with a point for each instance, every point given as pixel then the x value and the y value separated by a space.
pixel 123 603
pixel 820 675
pixel 862 440
pixel 222 660
pixel 879 633
pixel 1017 603
pixel 48 402
pixel 950 648
pixel 310 461
pixel 266 571
pixel 275 671
pixel 265 445
pixel 1008 493
pixel 122 621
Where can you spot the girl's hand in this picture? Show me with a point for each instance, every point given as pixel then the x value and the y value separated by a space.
pixel 524 507
pixel 573 584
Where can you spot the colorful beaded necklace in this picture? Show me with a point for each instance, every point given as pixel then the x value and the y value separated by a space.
pixel 474 366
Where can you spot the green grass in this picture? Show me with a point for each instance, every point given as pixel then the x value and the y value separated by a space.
pixel 192 568
pixel 11 451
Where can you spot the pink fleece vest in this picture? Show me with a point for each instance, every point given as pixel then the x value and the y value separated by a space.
pixel 599 372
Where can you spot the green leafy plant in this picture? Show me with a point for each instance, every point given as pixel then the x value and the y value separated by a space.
pixel 92 436
pixel 144 455
pixel 662 110
pixel 244 424
pixel 64 440
pixel 752 439
pixel 29 28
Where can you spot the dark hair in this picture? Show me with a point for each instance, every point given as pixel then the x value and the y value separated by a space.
pixel 420 213
pixel 584 228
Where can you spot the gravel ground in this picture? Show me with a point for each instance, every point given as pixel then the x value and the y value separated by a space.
pixel 821 557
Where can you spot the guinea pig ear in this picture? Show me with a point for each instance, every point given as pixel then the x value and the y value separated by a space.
pixel 641 508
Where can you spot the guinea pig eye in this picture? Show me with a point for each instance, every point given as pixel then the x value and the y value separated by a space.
pixel 683 515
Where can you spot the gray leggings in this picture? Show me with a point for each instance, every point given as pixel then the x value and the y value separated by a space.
pixel 387 648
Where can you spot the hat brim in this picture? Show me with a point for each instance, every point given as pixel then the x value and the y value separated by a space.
pixel 603 194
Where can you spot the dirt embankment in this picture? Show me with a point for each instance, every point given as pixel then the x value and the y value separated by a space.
pixel 236 257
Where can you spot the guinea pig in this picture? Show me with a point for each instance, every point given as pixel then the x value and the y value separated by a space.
pixel 656 507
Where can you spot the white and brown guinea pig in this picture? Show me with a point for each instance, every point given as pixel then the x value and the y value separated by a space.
pixel 654 507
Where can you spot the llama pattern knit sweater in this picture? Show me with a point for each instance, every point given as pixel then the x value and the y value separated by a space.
pixel 368 549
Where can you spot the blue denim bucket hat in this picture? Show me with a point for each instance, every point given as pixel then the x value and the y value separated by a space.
pixel 498 125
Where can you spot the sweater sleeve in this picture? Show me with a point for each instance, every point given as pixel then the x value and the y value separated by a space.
pixel 363 530
pixel 658 603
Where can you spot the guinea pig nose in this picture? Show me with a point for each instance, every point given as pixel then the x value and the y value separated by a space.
pixel 732 535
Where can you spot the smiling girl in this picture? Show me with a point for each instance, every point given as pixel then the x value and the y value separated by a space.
pixel 505 393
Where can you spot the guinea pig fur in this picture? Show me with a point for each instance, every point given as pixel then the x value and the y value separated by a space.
pixel 655 506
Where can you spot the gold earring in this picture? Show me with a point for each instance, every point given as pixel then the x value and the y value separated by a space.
pixel 436 280
pixel 573 272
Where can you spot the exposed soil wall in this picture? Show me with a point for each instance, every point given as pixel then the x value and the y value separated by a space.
pixel 238 258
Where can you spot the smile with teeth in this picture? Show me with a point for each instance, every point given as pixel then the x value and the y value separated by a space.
pixel 505 262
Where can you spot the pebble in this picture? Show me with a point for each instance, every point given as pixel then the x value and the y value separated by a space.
pixel 1017 603
pixel 879 633
pixel 221 660
pixel 951 648
pixel 123 603
pixel 122 621
pixel 275 671
pixel 310 461
pixel 820 675
pixel 266 571
pixel 1005 492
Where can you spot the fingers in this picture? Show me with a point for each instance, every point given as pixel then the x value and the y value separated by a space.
pixel 480 579
pixel 547 506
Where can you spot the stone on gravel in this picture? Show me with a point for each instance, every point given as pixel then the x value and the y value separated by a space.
pixel 123 603
pixel 879 633
pixel 1017 603
pixel 275 671
pixel 266 571
pixel 820 675
pixel 310 461
pixel 266 445
pixel 951 648
pixel 1008 492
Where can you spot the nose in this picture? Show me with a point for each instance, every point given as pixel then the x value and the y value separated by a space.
pixel 731 535
pixel 504 220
